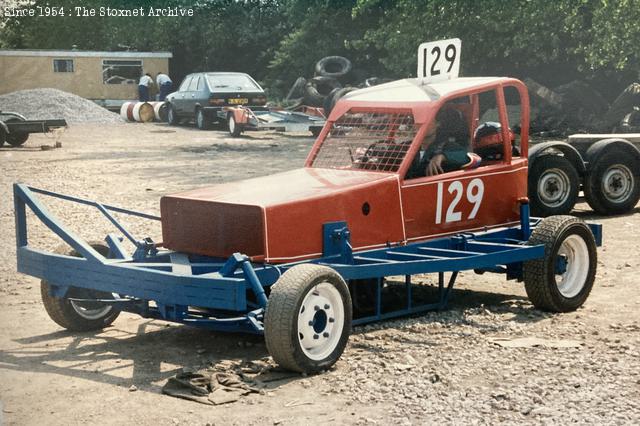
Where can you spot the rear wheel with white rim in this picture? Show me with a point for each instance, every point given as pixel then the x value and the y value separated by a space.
pixel 235 129
pixel 561 280
pixel 308 318
pixel 202 122
pixel 80 309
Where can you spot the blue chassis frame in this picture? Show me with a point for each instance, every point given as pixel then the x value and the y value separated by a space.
pixel 230 293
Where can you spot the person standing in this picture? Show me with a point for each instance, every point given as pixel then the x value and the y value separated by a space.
pixel 143 87
pixel 164 85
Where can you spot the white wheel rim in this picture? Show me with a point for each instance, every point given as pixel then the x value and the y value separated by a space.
pixel 90 314
pixel 232 124
pixel 553 187
pixel 200 118
pixel 617 183
pixel 320 321
pixel 574 250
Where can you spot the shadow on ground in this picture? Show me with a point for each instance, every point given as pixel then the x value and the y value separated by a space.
pixel 157 350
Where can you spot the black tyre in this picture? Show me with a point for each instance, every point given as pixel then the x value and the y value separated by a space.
pixel 3 136
pixel 308 318
pixel 16 139
pixel 75 315
pixel 202 122
pixel 297 90
pixel 235 129
pixel 562 280
pixel 553 186
pixel 334 97
pixel 631 122
pixel 327 104
pixel 312 97
pixel 374 81
pixel 325 85
pixel 333 66
pixel 315 131
pixel 612 185
pixel 172 116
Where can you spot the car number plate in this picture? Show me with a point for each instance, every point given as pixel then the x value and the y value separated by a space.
pixel 238 101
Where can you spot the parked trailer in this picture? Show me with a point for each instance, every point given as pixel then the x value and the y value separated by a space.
pixel 15 128
pixel 606 167
pixel 240 119
pixel 303 255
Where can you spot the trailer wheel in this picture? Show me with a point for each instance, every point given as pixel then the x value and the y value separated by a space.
pixel 79 316
pixel 611 186
pixel 202 122
pixel 562 280
pixel 315 131
pixel 16 139
pixel 172 117
pixel 553 186
pixel 308 318
pixel 235 129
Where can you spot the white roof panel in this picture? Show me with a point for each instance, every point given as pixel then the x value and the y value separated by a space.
pixel 413 89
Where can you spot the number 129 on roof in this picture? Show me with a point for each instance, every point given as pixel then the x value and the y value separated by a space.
pixel 439 60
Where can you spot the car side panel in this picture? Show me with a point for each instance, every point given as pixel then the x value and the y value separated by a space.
pixel 464 200
pixel 178 97
pixel 293 231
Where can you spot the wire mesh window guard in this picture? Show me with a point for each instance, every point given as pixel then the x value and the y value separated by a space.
pixel 367 141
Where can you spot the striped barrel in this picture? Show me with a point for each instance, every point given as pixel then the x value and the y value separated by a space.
pixel 159 110
pixel 137 111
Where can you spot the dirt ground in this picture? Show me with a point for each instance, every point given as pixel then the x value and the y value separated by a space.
pixel 440 367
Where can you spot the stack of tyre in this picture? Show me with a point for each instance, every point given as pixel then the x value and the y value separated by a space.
pixel 326 87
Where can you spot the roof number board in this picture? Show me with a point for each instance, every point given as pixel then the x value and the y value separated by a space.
pixel 439 60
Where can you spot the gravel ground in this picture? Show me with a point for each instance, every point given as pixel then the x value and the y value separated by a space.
pixel 42 104
pixel 443 367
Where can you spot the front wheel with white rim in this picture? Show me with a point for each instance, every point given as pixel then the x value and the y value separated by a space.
pixel 561 280
pixel 172 116
pixel 80 309
pixel 308 318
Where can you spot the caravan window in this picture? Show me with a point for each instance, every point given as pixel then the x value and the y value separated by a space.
pixel 121 72
pixel 63 65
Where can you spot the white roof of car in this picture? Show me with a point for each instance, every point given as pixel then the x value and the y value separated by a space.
pixel 414 90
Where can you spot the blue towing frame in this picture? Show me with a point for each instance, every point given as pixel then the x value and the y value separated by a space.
pixel 231 294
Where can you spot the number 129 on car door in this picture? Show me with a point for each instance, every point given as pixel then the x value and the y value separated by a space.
pixel 449 209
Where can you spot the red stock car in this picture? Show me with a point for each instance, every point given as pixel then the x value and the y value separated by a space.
pixel 301 256
pixel 357 172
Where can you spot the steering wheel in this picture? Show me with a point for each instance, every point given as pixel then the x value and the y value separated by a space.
pixel 383 155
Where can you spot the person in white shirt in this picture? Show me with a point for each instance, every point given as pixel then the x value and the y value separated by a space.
pixel 164 85
pixel 143 87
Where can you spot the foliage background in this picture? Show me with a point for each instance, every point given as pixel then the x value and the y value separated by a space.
pixel 276 41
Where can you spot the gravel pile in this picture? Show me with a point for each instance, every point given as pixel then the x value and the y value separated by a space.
pixel 37 104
